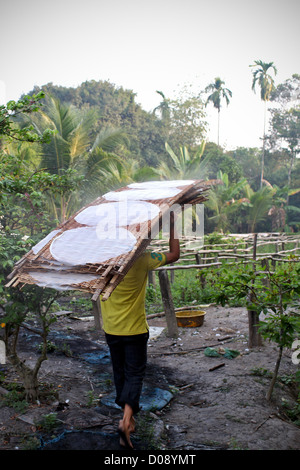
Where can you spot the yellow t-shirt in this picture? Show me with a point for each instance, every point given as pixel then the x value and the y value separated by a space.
pixel 123 313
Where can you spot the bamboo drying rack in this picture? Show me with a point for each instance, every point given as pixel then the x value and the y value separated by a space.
pixel 111 272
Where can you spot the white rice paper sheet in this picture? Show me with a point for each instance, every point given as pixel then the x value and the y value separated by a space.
pixel 37 248
pixel 60 280
pixel 117 214
pixel 142 194
pixel 91 245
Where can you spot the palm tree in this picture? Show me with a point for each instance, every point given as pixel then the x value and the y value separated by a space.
pixel 163 108
pixel 183 165
pixel 224 200
pixel 218 93
pixel 70 139
pixel 266 83
pixel 260 204
pixel 73 148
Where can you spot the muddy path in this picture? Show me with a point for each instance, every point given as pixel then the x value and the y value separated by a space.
pixel 191 400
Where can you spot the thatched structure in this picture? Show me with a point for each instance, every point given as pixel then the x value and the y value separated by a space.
pixel 95 248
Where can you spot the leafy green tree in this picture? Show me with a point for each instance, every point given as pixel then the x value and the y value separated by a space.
pixel 285 122
pixel 116 108
pixel 187 121
pixel 218 93
pixel 275 293
pixel 9 113
pixel 286 127
pixel 218 160
pixel 287 94
pixel 262 77
pixel 248 160
pixel 21 306
pixel 23 222
pixel 282 326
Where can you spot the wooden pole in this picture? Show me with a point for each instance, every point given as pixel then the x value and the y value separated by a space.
pixel 253 316
pixel 151 278
pixel 97 313
pixel 172 274
pixel 165 290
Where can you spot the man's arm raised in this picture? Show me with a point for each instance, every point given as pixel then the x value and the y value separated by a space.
pixel 174 247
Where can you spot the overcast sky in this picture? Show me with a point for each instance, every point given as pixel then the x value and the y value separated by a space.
pixel 153 45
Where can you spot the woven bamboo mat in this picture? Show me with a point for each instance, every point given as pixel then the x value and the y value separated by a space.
pixel 41 267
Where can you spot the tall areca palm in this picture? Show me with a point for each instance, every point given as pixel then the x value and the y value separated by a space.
pixel 164 112
pixel 219 92
pixel 163 108
pixel 262 77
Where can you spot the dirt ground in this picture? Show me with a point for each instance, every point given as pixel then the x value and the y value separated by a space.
pixel 208 408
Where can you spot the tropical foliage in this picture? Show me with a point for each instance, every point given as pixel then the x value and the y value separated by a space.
pixel 183 165
pixel 98 138
pixel 60 148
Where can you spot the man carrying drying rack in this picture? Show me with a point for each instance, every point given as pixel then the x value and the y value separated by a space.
pixel 127 332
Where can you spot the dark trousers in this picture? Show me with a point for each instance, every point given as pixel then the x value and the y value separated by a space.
pixel 129 358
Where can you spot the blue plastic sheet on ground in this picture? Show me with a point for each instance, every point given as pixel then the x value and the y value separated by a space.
pixel 152 398
pixel 81 440
pixel 96 357
pixel 62 335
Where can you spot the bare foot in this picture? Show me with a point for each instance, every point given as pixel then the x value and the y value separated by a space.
pixel 124 432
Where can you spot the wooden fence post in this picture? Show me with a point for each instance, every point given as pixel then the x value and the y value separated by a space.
pixel 253 316
pixel 151 278
pixel 97 313
pixel 275 257
pixel 202 277
pixel 168 304
pixel 172 274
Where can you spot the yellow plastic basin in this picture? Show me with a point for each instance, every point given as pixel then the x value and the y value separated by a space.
pixel 190 318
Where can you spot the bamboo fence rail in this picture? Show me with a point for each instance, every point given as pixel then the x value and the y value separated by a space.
pixel 242 248
pixel 214 257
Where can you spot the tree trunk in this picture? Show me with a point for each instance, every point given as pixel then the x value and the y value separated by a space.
pixel 254 335
pixel 253 316
pixel 263 150
pixel 29 377
pixel 168 304
pixel 275 374
pixel 97 313
pixel 31 386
